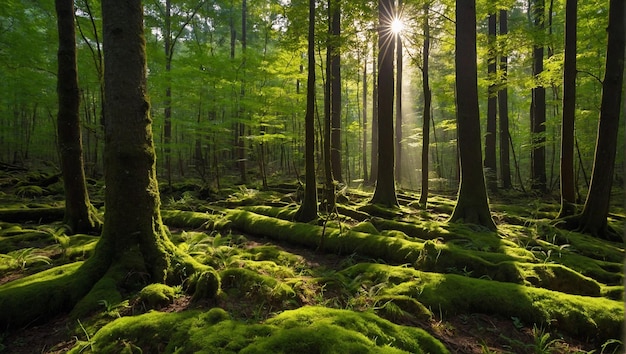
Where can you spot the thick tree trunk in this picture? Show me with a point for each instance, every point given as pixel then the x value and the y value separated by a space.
pixel 385 192
pixel 568 190
pixel 492 105
pixel 593 219
pixel 80 215
pixel 503 111
pixel 133 221
pixel 308 208
pixel 134 249
pixel 426 113
pixel 472 205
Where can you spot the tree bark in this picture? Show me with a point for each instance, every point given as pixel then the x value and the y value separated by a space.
pixel 593 219
pixel 538 106
pixel 398 126
pixel 385 192
pixel 427 106
pixel 568 190
pixel 335 90
pixel 364 147
pixel 80 216
pixel 167 111
pixel 308 208
pixel 472 205
pixel 328 201
pixel 374 145
pixel 503 110
pixel 492 106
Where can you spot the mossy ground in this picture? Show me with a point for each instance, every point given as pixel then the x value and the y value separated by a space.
pixel 406 283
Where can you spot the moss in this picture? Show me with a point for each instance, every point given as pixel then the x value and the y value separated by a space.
pixel 402 308
pixel 157 295
pixel 24 239
pixel 305 330
pixel 206 285
pixel 37 297
pixel 267 268
pixel 573 314
pixel 377 330
pixel 241 282
pixel 366 227
pixel 275 254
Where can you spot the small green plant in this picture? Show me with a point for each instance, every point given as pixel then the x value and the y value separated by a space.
pixel 29 191
pixel 543 344
pixel 20 259
pixel 612 346
pixel 113 310
pixel 517 323
pixel 89 341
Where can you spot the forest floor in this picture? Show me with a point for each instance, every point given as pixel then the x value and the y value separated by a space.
pixel 529 288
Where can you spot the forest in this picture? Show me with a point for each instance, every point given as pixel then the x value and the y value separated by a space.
pixel 312 176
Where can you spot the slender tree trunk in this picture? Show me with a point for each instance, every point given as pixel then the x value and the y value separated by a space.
pixel 80 215
pixel 385 192
pixel 167 124
pixel 364 147
pixel 308 208
pixel 398 125
pixel 538 105
pixel 568 190
pixel 329 192
pixel 503 110
pixel 492 106
pixel 335 89
pixel 472 205
pixel 374 147
pixel 241 142
pixel 593 219
pixel 427 107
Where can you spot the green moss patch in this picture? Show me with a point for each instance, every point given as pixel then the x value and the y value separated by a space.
pixel 157 295
pixel 305 330
pixel 573 314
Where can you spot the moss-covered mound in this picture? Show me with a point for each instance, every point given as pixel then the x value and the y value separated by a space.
pixel 577 315
pixel 305 330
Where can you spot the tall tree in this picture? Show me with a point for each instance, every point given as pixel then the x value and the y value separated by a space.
pixel 241 141
pixel 335 88
pixel 364 146
pixel 385 192
pixel 538 103
pixel 503 106
pixel 427 106
pixel 568 190
pixel 492 103
pixel 593 219
pixel 133 229
pixel 399 64
pixel 134 249
pixel 329 194
pixel 374 145
pixel 80 215
pixel 308 208
pixel 472 205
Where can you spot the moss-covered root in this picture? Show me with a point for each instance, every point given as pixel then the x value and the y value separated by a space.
pixel 577 315
pixel 40 296
pixel 305 330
